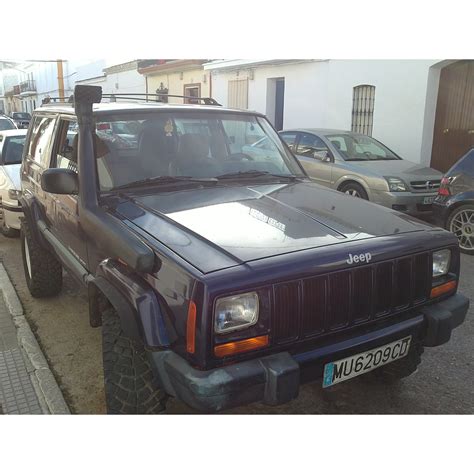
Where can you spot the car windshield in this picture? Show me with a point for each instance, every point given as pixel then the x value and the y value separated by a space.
pixel 189 145
pixel 21 116
pixel 360 148
pixel 13 150
pixel 6 124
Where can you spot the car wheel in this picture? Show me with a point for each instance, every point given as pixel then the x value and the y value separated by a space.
pixel 461 224
pixel 355 190
pixel 43 272
pixel 130 386
pixel 8 231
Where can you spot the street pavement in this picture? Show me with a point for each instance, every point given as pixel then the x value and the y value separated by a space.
pixel 443 383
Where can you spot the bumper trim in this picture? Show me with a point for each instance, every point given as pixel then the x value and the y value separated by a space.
pixel 275 379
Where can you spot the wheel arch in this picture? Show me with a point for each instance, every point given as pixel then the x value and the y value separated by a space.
pixel 142 314
pixel 343 180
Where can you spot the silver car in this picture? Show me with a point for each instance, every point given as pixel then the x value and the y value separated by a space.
pixel 363 167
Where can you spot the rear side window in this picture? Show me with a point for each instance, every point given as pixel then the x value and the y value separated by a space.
pixel 40 139
pixel 290 139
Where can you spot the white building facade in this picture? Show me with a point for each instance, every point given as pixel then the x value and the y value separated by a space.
pixel 402 95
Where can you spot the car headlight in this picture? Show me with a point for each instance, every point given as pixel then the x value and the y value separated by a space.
pixel 396 184
pixel 441 261
pixel 14 194
pixel 235 312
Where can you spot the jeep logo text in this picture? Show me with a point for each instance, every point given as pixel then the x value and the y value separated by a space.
pixel 363 257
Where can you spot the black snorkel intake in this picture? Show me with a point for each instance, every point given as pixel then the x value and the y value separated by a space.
pixel 107 231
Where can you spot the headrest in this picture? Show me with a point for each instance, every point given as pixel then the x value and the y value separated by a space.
pixel 193 145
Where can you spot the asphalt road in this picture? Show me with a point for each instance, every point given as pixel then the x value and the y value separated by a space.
pixel 443 383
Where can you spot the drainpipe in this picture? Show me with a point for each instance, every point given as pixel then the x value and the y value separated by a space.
pixel 60 79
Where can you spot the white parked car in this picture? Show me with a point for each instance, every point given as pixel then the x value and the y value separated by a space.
pixel 11 151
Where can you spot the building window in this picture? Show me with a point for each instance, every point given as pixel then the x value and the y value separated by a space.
pixel 238 94
pixel 363 100
pixel 192 90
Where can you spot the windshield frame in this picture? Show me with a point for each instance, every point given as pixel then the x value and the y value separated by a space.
pixel 292 163
pixel 344 157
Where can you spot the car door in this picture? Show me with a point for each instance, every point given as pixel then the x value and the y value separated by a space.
pixel 315 156
pixel 67 227
pixel 37 155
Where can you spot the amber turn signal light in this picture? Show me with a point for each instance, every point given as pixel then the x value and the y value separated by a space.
pixel 191 328
pixel 443 289
pixel 245 345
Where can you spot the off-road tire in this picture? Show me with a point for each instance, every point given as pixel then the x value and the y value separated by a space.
pixel 399 369
pixel 355 190
pixel 9 232
pixel 130 386
pixel 46 277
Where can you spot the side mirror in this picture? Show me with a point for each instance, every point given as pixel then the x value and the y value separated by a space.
pixel 60 181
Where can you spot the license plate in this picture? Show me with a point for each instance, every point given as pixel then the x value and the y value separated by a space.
pixel 428 199
pixel 345 369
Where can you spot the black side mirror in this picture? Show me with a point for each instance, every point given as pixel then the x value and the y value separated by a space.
pixel 60 181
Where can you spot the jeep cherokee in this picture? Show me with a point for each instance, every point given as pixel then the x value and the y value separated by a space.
pixel 218 275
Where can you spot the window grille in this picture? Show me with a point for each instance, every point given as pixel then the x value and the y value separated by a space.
pixel 363 100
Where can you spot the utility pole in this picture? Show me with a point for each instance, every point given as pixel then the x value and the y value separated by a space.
pixel 59 63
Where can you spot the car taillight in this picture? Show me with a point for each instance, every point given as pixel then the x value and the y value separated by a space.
pixel 444 187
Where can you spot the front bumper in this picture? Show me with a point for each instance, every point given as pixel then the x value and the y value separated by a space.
pixel 411 203
pixel 275 379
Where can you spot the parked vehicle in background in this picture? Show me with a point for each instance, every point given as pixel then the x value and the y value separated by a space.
pixel 220 277
pixel 363 167
pixel 454 206
pixel 6 123
pixel 21 119
pixel 11 151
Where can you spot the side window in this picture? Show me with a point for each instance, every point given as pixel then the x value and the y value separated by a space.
pixel 41 134
pixel 66 146
pixel 290 139
pixel 312 146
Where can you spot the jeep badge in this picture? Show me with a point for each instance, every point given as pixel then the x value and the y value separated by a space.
pixel 363 257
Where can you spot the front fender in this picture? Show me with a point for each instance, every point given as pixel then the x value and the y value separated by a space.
pixel 355 178
pixel 142 315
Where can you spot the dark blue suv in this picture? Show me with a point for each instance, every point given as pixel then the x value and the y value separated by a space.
pixel 219 275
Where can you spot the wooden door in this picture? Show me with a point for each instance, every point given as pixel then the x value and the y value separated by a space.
pixel 454 121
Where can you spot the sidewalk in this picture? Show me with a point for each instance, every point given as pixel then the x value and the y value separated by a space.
pixel 27 385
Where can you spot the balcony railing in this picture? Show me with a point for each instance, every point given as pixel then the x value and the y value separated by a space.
pixel 27 86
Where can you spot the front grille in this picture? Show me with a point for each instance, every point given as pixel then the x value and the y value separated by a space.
pixel 328 303
pixel 432 185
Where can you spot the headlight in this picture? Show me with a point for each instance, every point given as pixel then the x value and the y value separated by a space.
pixel 14 194
pixel 235 312
pixel 441 261
pixel 396 184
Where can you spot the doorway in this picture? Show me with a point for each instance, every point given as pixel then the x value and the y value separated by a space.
pixel 454 120
pixel 276 101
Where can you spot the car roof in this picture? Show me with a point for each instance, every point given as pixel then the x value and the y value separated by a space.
pixel 15 132
pixel 321 131
pixel 118 107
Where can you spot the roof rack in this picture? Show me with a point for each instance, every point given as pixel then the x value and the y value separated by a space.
pixel 158 97
pixel 58 100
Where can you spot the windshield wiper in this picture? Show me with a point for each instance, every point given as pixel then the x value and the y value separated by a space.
pixel 164 180
pixel 256 174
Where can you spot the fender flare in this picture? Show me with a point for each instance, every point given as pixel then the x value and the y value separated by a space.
pixel 32 213
pixel 142 315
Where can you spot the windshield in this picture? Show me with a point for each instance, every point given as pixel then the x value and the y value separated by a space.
pixel 6 124
pixel 194 144
pixel 13 150
pixel 360 148
pixel 21 116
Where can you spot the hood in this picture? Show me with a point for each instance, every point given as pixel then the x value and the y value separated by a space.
pixel 223 226
pixel 13 173
pixel 403 169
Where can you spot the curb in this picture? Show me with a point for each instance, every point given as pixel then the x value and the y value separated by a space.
pixel 49 394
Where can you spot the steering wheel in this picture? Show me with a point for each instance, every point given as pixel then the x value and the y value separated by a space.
pixel 240 157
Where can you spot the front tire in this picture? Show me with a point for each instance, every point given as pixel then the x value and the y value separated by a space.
pixel 130 386
pixel 355 190
pixel 461 224
pixel 43 272
pixel 8 231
